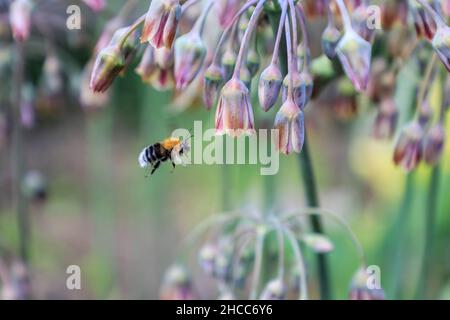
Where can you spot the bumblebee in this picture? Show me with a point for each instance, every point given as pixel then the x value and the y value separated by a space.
pixel 170 149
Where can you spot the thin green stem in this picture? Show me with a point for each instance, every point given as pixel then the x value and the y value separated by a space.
pixel 312 200
pixel 261 234
pixel 18 155
pixel 303 284
pixel 430 216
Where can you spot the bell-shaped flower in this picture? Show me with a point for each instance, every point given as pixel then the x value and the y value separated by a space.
pixel 213 80
pixel 234 114
pixel 289 122
pixel 408 151
pixel 434 144
pixel 161 23
pixel 355 54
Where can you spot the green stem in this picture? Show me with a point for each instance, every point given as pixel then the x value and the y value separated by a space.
pixel 308 178
pixel 430 215
pixel 312 200
pixel 18 155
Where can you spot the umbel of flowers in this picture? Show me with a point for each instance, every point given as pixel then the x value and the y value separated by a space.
pixel 175 59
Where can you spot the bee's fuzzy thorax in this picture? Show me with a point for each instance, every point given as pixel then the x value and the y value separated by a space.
pixel 170 143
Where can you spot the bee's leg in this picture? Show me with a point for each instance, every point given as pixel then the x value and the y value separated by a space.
pixel 156 166
pixel 173 167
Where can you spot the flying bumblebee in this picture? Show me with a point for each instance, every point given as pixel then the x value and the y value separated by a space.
pixel 169 149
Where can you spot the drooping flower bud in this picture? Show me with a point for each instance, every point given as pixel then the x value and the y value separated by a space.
pixel 234 115
pixel 164 58
pixel 269 86
pixel 355 53
pixel 434 144
pixel 163 79
pixel 190 52
pixel 176 284
pixel 302 88
pixel 408 151
pixel 361 287
pixel 228 63
pixel 108 65
pixel 330 39
pixel 213 80
pixel 20 19
pixel 386 120
pixel 161 23
pixel 303 56
pixel 226 10
pixel 291 128
pixel 89 100
pixel 147 65
pixel 274 290
pixel 96 5
pixel 441 44
pixel 253 62
pixel 423 21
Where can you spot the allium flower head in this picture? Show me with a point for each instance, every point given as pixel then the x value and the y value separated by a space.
pixel 434 144
pixel 274 290
pixel 291 128
pixel 408 151
pixel 214 78
pixel 161 23
pixel 355 53
pixel 190 52
pixel 360 289
pixel 20 19
pixel 234 115
pixel 441 43
pixel 269 86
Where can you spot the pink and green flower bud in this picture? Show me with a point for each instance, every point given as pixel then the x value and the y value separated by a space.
pixel 302 88
pixel 269 87
pixel 434 145
pixel 234 114
pixel 362 289
pixel 176 284
pixel 253 62
pixel 289 122
pixel 386 120
pixel 108 65
pixel 274 290
pixel 20 19
pixel 161 23
pixel 128 47
pixel 355 53
pixel 441 44
pixel 308 83
pixel 147 65
pixel 213 80
pixel 229 62
pixel 330 40
pixel 190 52
pixel 423 21
pixel 408 151
pixel 96 5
